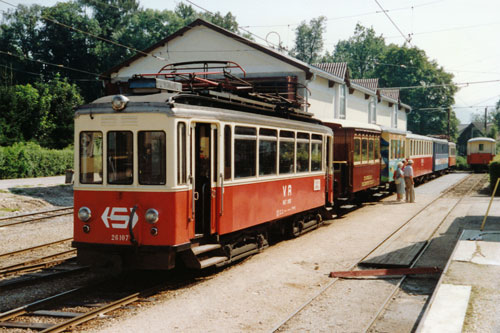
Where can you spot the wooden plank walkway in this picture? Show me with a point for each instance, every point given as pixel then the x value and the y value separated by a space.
pixel 406 244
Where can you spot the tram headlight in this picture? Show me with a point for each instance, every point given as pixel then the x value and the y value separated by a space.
pixel 151 216
pixel 84 214
pixel 119 102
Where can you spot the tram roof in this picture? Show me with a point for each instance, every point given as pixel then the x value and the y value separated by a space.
pixel 418 137
pixel 478 139
pixel 392 130
pixel 353 124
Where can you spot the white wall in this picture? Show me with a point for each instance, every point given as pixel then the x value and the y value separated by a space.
pixel 357 106
pixel 384 112
pixel 322 98
pixel 402 119
pixel 202 43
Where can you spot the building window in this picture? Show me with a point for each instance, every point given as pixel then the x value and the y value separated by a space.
pixel 372 110
pixel 395 116
pixel 342 98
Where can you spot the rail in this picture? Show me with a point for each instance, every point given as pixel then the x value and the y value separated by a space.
pixel 34 217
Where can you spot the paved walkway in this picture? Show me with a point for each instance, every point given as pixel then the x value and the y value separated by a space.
pixel 32 182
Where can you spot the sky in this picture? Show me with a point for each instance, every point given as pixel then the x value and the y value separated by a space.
pixel 458 34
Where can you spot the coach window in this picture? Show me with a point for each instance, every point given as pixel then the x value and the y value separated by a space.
pixel 302 152
pixel 152 161
pixel 268 148
pixel 91 157
pixel 371 153
pixel 181 153
pixel 316 152
pixel 364 150
pixel 287 152
pixel 357 150
pixel 120 153
pixel 245 152
pixel 227 152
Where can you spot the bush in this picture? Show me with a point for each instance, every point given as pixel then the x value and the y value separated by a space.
pixel 25 160
pixel 494 168
pixel 462 163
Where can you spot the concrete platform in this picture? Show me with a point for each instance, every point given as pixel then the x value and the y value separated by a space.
pixel 467 296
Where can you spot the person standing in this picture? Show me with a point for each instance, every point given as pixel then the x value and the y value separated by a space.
pixel 409 183
pixel 399 181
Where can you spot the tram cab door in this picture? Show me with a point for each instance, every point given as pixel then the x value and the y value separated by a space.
pixel 205 178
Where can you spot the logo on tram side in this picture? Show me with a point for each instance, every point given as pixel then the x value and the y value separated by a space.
pixel 119 217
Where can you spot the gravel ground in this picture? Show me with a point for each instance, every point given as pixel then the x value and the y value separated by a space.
pixel 256 294
pixel 260 292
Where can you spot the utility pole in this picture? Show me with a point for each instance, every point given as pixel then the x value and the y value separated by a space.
pixel 449 113
pixel 485 121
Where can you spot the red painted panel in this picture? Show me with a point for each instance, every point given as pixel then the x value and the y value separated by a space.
pixel 422 165
pixel 365 176
pixel 251 204
pixel 173 225
pixel 452 161
pixel 477 158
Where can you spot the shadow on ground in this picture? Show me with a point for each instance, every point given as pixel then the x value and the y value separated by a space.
pixel 59 195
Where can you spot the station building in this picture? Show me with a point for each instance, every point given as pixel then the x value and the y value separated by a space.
pixel 327 90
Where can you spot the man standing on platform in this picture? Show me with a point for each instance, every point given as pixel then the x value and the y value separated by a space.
pixel 408 173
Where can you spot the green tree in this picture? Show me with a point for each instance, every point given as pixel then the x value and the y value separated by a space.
pixel 362 52
pixel 309 40
pixel 410 67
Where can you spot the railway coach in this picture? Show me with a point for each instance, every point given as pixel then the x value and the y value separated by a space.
pixel 420 150
pixel 392 151
pixel 357 159
pixel 201 175
pixel 440 156
pixel 480 152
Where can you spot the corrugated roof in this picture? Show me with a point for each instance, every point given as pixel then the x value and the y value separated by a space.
pixel 336 68
pixel 371 84
pixel 390 93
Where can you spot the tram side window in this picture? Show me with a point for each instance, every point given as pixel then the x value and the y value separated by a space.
pixel 152 159
pixel 377 149
pixel 302 152
pixel 120 157
pixel 357 150
pixel 402 153
pixel 316 152
pixel 481 146
pixel 364 150
pixel 245 152
pixel 393 149
pixel 91 157
pixel 268 146
pixel 287 152
pixel 227 152
pixel 371 153
pixel 181 153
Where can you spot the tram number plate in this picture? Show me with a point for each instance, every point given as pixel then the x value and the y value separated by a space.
pixel 120 238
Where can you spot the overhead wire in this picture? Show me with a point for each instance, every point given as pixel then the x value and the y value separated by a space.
pixel 50 64
pixel 408 39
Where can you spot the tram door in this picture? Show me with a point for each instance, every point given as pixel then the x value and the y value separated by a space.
pixel 205 171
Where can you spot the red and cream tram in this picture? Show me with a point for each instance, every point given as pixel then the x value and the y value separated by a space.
pixel 480 152
pixel 420 151
pixel 194 175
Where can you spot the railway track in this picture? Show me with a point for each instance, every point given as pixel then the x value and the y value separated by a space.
pixel 74 307
pixel 462 189
pixel 34 217
pixel 30 264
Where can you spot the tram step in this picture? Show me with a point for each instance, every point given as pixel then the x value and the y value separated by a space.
pixel 204 248
pixel 347 206
pixel 377 194
pixel 212 261
pixel 342 199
